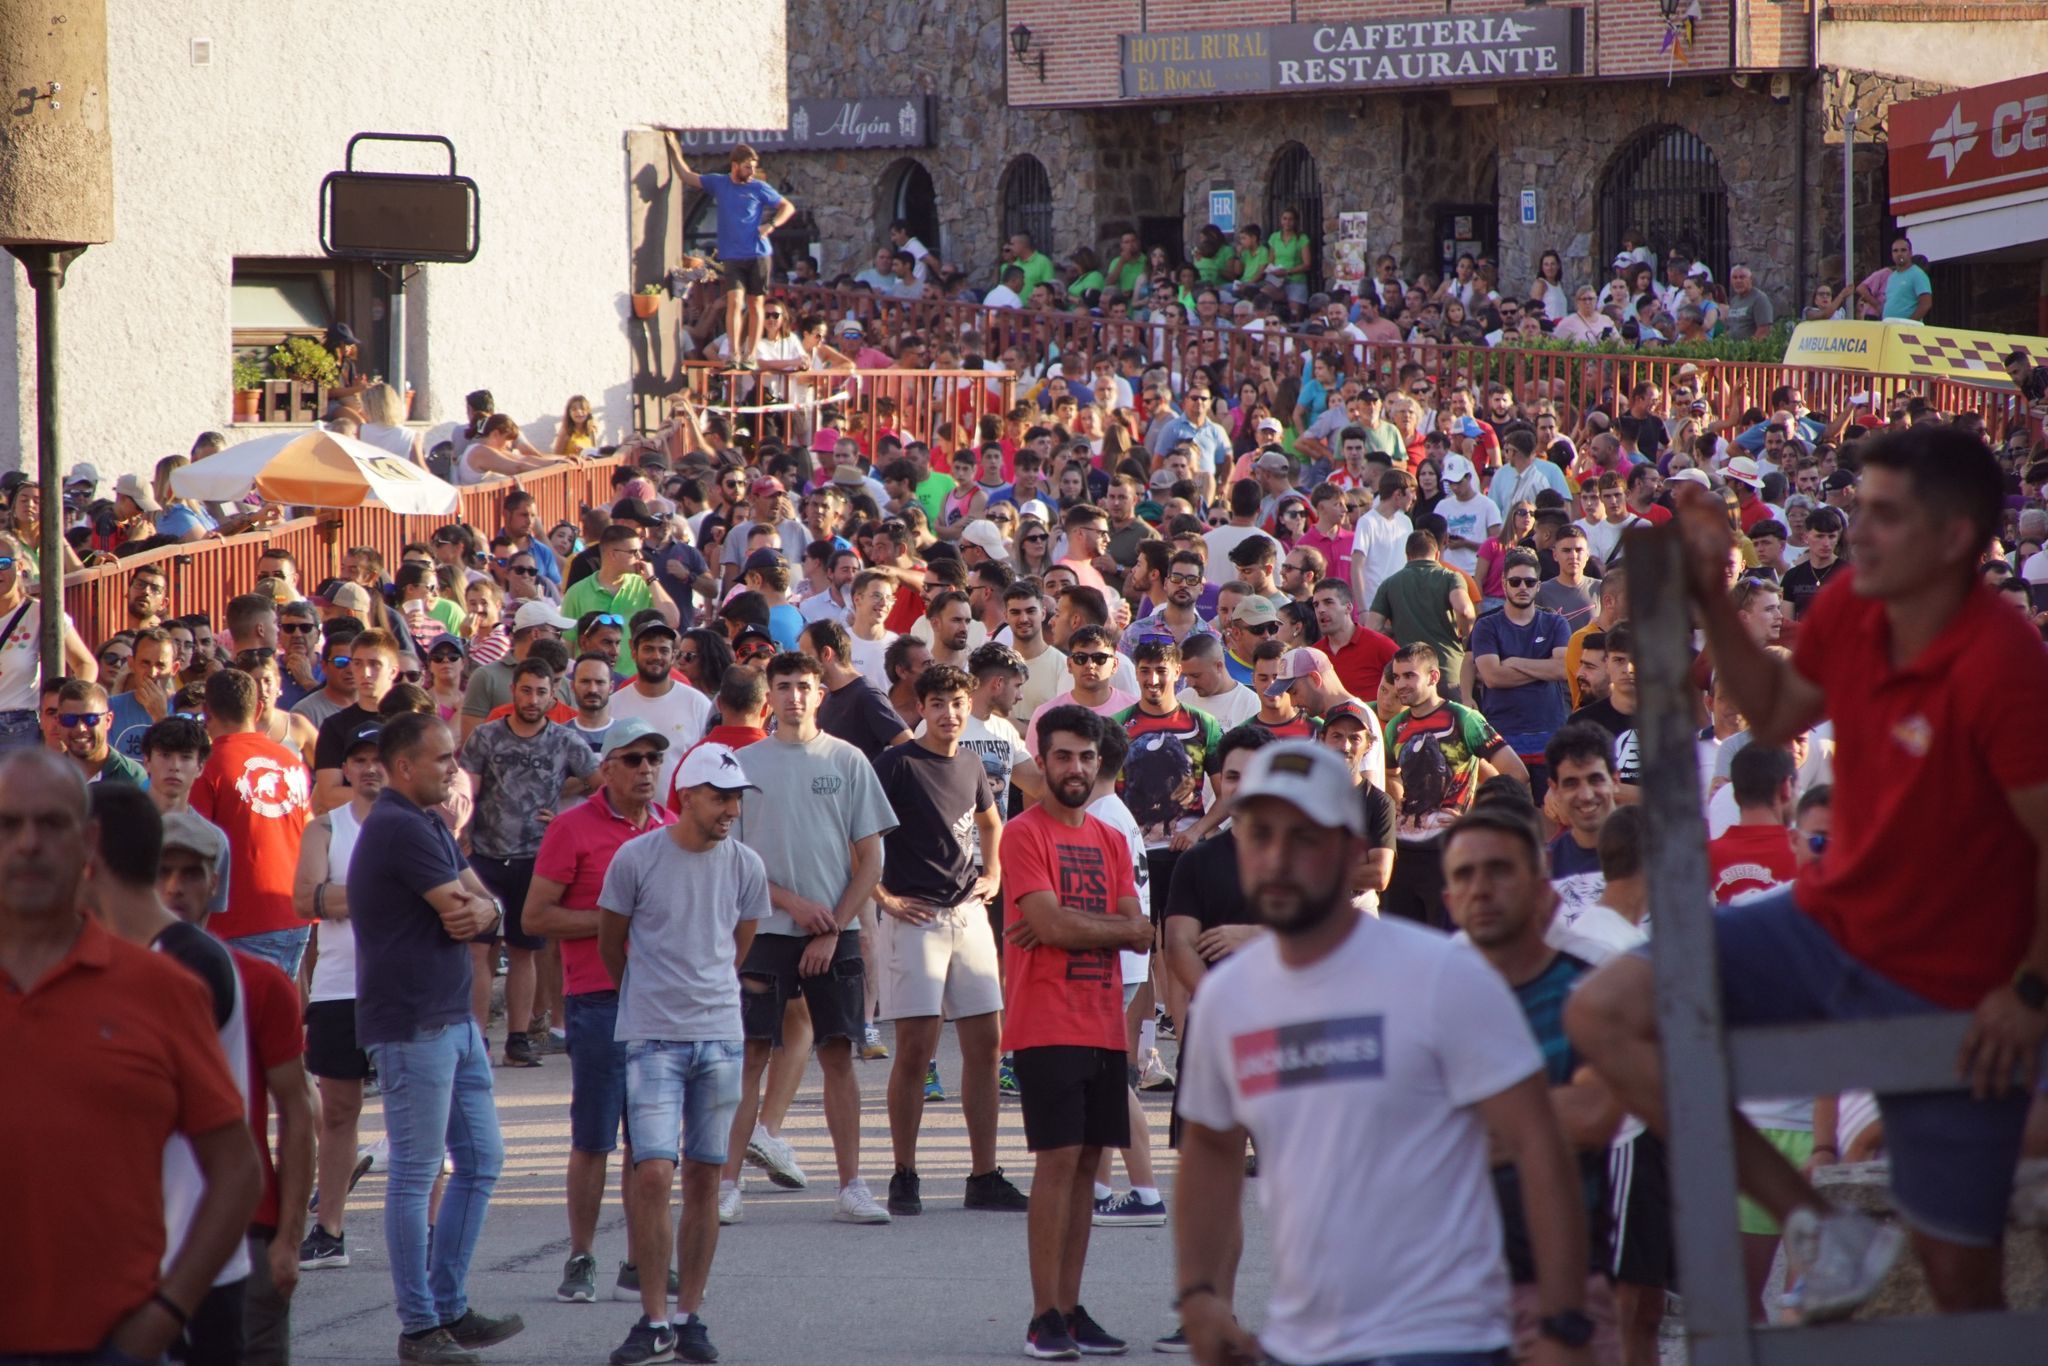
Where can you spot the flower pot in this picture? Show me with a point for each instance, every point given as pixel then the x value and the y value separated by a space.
pixel 248 405
pixel 646 305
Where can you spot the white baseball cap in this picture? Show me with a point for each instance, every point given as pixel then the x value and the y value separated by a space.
pixel 538 613
pixel 983 536
pixel 1692 477
pixel 1456 468
pixel 712 765
pixel 1312 778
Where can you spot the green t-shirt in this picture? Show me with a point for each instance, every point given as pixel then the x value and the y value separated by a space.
pixel 1209 269
pixel 1084 283
pixel 1416 601
pixel 590 595
pixel 1385 438
pixel 119 768
pixel 931 495
pixel 1288 255
pixel 1255 262
pixel 1128 275
pixel 1037 268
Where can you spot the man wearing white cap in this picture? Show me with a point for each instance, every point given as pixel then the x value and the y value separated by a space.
pixel 490 687
pixel 1469 515
pixel 1341 1029
pixel 685 901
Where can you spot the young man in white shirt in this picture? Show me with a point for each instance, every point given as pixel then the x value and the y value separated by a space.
pixel 1469 515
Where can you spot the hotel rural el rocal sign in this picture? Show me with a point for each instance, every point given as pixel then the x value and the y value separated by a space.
pixel 1427 49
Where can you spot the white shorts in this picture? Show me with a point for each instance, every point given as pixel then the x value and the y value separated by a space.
pixel 947 968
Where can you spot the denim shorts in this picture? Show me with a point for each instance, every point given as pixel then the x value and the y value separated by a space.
pixel 285 948
pixel 20 730
pixel 691 1089
pixel 1952 1156
pixel 597 1071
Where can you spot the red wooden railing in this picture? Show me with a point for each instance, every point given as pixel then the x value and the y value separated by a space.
pixel 920 404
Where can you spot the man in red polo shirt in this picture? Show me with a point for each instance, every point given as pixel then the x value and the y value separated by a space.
pixel 111 1050
pixel 1359 653
pixel 1916 662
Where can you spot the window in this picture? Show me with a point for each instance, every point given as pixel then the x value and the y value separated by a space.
pixel 1027 202
pixel 1664 189
pixel 1294 184
pixel 272 298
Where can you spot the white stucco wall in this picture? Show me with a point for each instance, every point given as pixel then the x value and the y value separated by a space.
pixel 225 160
pixel 1983 52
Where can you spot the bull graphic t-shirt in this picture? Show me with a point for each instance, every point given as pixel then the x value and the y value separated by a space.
pixel 260 795
pixel 1162 778
pixel 1575 875
pixel 1065 997
pixel 1437 754
pixel 1750 858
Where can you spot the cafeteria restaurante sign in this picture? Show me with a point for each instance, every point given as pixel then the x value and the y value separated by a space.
pixel 1419 50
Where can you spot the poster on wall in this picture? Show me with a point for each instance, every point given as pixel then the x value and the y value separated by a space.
pixel 1349 254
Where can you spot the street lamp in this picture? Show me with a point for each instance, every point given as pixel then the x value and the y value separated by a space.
pixel 1020 44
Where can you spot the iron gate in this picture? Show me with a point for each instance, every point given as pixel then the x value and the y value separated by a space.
pixel 1295 185
pixel 1027 203
pixel 1665 189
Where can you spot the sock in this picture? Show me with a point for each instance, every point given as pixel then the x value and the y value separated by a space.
pixel 1148 1037
pixel 1149 1194
pixel 657 1324
pixel 760 1131
pixel 1103 1192
pixel 725 1185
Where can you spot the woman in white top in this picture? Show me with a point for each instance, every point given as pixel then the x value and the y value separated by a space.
pixel 386 426
pixel 495 452
pixel 1550 286
pixel 21 663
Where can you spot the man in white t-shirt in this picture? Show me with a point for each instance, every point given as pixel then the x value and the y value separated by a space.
pixel 1469 515
pixel 1341 1034
pixel 677 710
pixel 871 596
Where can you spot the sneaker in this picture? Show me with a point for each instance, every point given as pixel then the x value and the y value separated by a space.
pixel 1091 1337
pixel 904 1197
pixel 645 1343
pixel 729 1211
pixel 693 1338
pixel 1174 1344
pixel 1129 1211
pixel 364 1160
pixel 857 1206
pixel 438 1348
pixel 579 1280
pixel 932 1089
pixel 872 1049
pixel 555 1041
pixel 627 1286
pixel 1154 1076
pixel 1047 1339
pixel 992 1190
pixel 1835 1261
pixel 772 1154
pixel 519 1051
pixel 322 1250
pixel 1006 1078
pixel 474 1330
pixel 1163 1023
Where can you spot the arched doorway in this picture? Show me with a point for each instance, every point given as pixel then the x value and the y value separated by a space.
pixel 907 195
pixel 1026 199
pixel 1294 184
pixel 1664 188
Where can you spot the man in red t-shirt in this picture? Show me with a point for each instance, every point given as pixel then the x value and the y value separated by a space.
pixel 277 1073
pixel 561 902
pixel 1916 662
pixel 1072 902
pixel 1359 653
pixel 260 795
pixel 1755 853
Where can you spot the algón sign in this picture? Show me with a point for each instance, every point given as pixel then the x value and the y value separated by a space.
pixel 1417 50
pixel 820 125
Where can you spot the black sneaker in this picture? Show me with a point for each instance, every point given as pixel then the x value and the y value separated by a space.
pixel 645 1344
pixel 1091 1337
pixel 1174 1344
pixel 1047 1339
pixel 322 1250
pixel 693 1341
pixel 481 1330
pixel 904 1197
pixel 992 1190
pixel 519 1051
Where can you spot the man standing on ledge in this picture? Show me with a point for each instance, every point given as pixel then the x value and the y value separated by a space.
pixel 748 210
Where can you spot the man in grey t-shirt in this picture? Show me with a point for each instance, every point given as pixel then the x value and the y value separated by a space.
pixel 686 899
pixel 817 820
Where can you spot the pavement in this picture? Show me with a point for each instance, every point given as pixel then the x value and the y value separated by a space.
pixel 788 1287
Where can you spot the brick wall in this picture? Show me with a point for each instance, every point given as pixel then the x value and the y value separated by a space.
pixel 1627 39
pixel 1082 60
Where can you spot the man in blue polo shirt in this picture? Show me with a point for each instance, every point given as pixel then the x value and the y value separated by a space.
pixel 748 210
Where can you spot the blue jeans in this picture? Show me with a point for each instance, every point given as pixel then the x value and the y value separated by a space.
pixel 437 1098
pixel 691 1087
pixel 286 948
pixel 20 730
pixel 597 1071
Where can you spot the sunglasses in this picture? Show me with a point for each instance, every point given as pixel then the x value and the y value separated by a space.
pixel 1271 628
pixel 1817 843
pixel 687 657
pixel 255 654
pixel 340 661
pixel 1036 539
pixel 6 563
pixel 1096 658
pixel 298 628
pixel 526 571
pixel 410 675
pixel 1186 580
pixel 643 758
pixel 88 719
pixel 608 619
pixel 1521 583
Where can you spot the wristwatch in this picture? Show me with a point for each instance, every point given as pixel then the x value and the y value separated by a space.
pixel 1569 1327
pixel 2031 988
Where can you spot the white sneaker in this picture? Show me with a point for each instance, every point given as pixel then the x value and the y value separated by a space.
pixel 729 1211
pixel 1835 1261
pixel 1154 1076
pixel 774 1156
pixel 857 1206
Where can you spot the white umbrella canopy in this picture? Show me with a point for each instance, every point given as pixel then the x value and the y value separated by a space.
pixel 316 469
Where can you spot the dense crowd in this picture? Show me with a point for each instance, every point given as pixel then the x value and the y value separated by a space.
pixel 808 749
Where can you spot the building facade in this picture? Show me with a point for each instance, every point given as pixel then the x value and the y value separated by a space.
pixel 226 114
pixel 1493 126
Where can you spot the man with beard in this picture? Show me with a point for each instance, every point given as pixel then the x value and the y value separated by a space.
pixel 590 686
pixel 675 709
pixel 1343 1033
pixel 1163 774
pixel 1072 904
pixel 1178 618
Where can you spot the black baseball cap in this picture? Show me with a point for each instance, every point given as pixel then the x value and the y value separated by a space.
pixel 634 510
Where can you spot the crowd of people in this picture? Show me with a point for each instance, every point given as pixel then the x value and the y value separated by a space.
pixel 808 750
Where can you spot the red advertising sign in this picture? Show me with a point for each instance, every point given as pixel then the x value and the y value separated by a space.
pixel 1970 146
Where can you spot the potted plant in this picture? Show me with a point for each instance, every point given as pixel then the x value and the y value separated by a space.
pixel 306 360
pixel 248 385
pixel 647 302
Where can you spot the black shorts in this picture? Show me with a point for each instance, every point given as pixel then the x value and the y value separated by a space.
pixel 1073 1097
pixel 331 1050
pixel 749 274
pixel 836 997
pixel 1159 866
pixel 508 880
pixel 1639 1192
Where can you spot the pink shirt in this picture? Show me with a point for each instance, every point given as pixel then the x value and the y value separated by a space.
pixel 1335 550
pixel 1118 700
pixel 577 851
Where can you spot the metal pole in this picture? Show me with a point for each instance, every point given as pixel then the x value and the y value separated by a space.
pixel 396 322
pixel 46 266
pixel 1849 200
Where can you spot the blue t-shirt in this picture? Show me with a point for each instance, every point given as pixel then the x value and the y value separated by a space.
pixel 180 521
pixel 741 211
pixel 1531 708
pixel 129 724
pixel 410 975
pixel 1903 290
pixel 785 623
pixel 678 566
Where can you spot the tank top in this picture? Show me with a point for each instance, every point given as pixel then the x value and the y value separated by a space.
pixel 334 970
pixel 21 663
pixel 956 505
